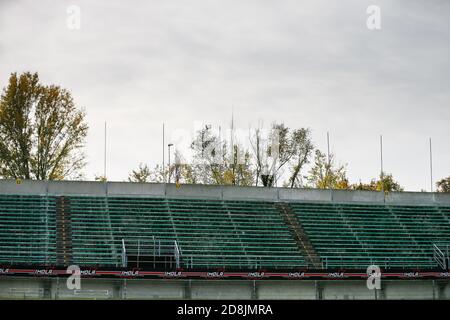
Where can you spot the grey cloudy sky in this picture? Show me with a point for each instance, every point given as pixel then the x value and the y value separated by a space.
pixel 137 64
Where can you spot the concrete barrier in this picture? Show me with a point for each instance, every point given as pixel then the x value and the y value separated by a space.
pixel 77 188
pixel 442 199
pixel 9 186
pixel 136 189
pixel 413 198
pixel 342 196
pixel 30 187
pixel 305 195
pixel 250 193
pixel 194 191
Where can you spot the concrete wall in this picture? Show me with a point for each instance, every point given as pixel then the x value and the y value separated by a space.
pixel 287 290
pixel 24 187
pixel 55 288
pixel 136 189
pixel 218 192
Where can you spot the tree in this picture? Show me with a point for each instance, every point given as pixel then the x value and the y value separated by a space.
pixel 325 174
pixel 42 133
pixel 141 174
pixel 385 183
pixel 443 185
pixel 301 149
pixel 282 147
pixel 215 162
pixel 100 178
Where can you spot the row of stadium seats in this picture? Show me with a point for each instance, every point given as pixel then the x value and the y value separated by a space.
pixel 216 233
pixel 356 235
pixel 209 233
pixel 27 229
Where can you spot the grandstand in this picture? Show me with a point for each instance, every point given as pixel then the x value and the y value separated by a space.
pixel 128 231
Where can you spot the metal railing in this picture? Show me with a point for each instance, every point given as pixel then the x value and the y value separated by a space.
pixel 151 253
pixel 441 255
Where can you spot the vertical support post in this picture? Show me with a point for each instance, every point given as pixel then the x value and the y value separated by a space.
pixel 381 163
pixel 319 290
pixel 138 251
pixel 328 147
pixel 104 157
pixel 254 290
pixel 124 254
pixel 163 153
pixel 431 168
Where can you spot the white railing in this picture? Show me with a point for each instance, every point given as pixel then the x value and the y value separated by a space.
pixel 124 254
pixel 441 256
pixel 177 254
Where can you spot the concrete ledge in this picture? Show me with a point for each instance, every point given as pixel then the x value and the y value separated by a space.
pixel 250 193
pixel 77 188
pixel 305 195
pixel 194 191
pixel 358 196
pixel 413 198
pixel 91 188
pixel 442 198
pixel 30 187
pixel 136 189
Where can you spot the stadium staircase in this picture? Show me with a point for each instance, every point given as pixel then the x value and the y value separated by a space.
pixel 63 232
pixel 299 235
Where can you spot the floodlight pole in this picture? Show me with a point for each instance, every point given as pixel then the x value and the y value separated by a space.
pixel 381 159
pixel 169 145
pixel 431 167
pixel 328 147
pixel 163 152
pixel 104 157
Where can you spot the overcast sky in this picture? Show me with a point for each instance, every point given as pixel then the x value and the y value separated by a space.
pixel 137 64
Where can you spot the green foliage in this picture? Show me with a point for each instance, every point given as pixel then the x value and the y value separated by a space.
pixel 214 162
pixel 325 174
pixel 100 178
pixel 384 183
pixel 141 174
pixel 42 132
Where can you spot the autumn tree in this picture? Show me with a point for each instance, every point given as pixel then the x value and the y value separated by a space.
pixel 42 132
pixel 301 150
pixel 215 161
pixel 282 150
pixel 443 185
pixel 326 174
pixel 385 182
pixel 141 174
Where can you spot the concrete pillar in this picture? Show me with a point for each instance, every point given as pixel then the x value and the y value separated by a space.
pixel 380 294
pixel 319 290
pixel 439 287
pixel 117 290
pixel 56 293
pixel 124 289
pixel 187 290
pixel 255 295
pixel 47 286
